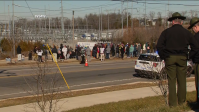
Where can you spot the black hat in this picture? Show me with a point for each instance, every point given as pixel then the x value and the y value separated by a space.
pixel 176 15
pixel 193 21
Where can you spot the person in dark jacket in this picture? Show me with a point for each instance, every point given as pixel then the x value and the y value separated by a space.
pixel 117 51
pixel 19 53
pixel 194 25
pixel 172 46
pixel 79 53
pixel 135 50
pixel 113 50
pixel 122 51
pixel 62 54
pixel 127 51
pixel 139 49
pixel 54 51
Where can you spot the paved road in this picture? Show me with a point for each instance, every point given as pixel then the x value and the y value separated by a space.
pixel 98 74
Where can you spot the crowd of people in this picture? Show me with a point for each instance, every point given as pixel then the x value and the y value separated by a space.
pixel 99 51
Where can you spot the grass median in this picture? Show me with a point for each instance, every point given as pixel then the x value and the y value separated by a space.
pixel 148 104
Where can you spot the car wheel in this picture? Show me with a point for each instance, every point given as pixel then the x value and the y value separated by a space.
pixel 189 71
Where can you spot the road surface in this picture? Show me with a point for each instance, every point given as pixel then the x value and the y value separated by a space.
pixel 16 81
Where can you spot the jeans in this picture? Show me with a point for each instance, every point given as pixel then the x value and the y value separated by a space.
pixel 148 50
pixel 131 54
pixel 107 55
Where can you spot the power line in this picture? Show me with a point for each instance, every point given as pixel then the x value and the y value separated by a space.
pixel 29 8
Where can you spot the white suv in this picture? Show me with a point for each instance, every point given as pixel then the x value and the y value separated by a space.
pixel 149 64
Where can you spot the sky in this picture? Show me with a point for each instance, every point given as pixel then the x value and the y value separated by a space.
pixel 81 8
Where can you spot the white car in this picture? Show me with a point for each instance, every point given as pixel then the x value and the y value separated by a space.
pixel 149 64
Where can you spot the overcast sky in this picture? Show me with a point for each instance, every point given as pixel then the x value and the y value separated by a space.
pixel 82 8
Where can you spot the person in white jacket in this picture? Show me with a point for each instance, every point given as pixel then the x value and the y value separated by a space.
pixel 64 50
pixel 39 53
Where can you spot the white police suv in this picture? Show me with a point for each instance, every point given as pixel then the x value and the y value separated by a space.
pixel 149 64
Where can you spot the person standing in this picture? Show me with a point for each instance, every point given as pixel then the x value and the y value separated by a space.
pixel 39 54
pixel 131 51
pixel 194 25
pixel 144 48
pixel 117 51
pixel 113 50
pixel 134 52
pixel 88 53
pixel 98 52
pixel 61 53
pixel 122 51
pixel 172 46
pixel 35 50
pixel 127 50
pixel 108 50
pixel 19 53
pixel 54 51
pixel 148 48
pixel 79 53
pixel 102 53
pixel 64 50
pixel 139 50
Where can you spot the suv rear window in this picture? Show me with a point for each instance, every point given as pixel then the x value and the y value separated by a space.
pixel 149 58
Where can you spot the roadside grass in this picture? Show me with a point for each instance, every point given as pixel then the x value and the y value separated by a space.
pixel 148 104
pixel 67 94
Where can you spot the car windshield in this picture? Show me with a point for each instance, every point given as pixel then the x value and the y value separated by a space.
pixel 149 58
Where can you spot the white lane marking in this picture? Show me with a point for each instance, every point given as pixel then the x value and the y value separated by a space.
pixel 79 85
pixel 65 67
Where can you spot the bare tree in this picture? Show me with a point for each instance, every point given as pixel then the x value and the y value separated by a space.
pixel 184 13
pixel 151 15
pixel 193 13
pixel 44 88
pixel 159 14
pixel 170 13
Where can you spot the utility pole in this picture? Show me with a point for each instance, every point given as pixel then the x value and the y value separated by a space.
pixel 145 14
pixel 13 27
pixel 108 24
pixel 168 13
pixel 127 15
pixel 73 27
pixel 62 20
pixel 122 15
pixel 101 21
pixel 132 16
pixel 165 17
pixel 49 22
pixel 9 21
pixel 99 24
pixel 45 19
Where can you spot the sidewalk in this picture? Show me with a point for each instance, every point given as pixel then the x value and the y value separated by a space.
pixel 100 98
pixel 26 61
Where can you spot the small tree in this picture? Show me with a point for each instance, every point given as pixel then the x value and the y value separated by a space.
pixel 45 88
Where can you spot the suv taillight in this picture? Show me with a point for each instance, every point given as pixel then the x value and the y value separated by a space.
pixel 135 62
pixel 155 64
